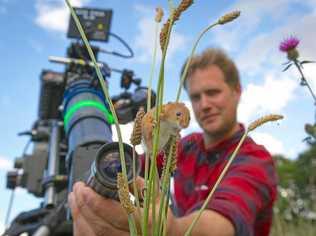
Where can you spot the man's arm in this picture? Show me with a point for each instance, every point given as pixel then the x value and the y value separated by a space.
pixel 210 223
pixel 92 212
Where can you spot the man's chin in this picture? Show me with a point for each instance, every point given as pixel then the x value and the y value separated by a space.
pixel 212 128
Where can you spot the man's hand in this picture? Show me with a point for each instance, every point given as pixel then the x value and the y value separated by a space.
pixel 96 215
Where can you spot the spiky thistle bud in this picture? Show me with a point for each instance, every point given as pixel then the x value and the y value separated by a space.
pixel 228 17
pixel 264 120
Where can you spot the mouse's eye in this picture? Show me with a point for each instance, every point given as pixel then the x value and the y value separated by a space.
pixel 178 113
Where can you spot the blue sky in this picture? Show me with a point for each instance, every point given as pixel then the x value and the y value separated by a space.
pixel 33 30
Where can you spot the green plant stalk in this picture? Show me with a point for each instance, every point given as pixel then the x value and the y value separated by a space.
pixel 164 224
pixel 134 183
pixel 103 85
pixel 165 207
pixel 157 127
pixel 148 194
pixel 190 58
pixel 232 157
pixel 152 69
pixel 296 63
pixel 153 203
pixel 149 95
pixel 132 225
pixel 165 181
pixel 171 5
pixel 105 91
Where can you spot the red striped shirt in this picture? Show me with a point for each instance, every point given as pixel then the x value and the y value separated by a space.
pixel 247 192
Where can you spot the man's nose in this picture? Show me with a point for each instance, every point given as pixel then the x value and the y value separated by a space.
pixel 204 102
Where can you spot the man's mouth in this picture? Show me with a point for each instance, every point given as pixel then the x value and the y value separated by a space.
pixel 209 117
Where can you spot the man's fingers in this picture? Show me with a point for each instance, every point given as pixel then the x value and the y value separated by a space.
pixel 93 205
pixel 140 188
pixel 73 205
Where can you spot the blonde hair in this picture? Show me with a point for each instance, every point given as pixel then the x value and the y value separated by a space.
pixel 214 56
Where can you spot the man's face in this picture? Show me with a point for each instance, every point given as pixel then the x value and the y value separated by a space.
pixel 214 102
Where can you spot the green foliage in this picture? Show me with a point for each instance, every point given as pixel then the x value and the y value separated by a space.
pixel 286 170
pixel 300 171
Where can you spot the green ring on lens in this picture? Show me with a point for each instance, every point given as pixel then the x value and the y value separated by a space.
pixel 87 103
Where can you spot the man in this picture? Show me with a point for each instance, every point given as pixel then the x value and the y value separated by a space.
pixel 242 204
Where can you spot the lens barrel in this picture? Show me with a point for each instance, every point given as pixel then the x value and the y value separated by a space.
pixel 103 173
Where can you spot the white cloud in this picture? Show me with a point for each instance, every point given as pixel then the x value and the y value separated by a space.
pixel 273 145
pixel 126 131
pixel 145 39
pixel 253 13
pixel 257 50
pixel 270 97
pixel 54 15
pixel 5 164
pixel 310 74
pixel 262 50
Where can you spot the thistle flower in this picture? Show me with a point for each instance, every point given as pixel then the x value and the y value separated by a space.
pixel 289 46
pixel 228 17
pixel 159 14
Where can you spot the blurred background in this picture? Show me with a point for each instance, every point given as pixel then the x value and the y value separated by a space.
pixel 33 30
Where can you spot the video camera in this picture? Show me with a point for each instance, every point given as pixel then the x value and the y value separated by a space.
pixel 72 137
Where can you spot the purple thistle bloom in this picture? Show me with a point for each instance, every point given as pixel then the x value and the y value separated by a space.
pixel 289 44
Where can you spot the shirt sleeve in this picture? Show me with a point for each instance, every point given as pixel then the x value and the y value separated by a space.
pixel 246 192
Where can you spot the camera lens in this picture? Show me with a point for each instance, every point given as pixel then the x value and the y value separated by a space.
pixel 107 164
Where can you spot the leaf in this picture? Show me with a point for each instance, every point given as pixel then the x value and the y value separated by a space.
pixel 286 63
pixel 303 82
pixel 286 68
pixel 306 62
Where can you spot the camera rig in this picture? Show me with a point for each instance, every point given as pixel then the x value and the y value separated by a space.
pixel 72 136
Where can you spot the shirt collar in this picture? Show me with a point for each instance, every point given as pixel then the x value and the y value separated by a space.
pixel 225 143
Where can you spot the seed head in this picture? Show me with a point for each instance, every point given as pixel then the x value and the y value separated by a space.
pixel 228 17
pixel 263 120
pixel 159 14
pixel 123 193
pixel 136 136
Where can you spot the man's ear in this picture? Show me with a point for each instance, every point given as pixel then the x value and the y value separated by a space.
pixel 238 91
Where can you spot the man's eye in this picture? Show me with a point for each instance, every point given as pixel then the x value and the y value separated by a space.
pixel 195 98
pixel 213 92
